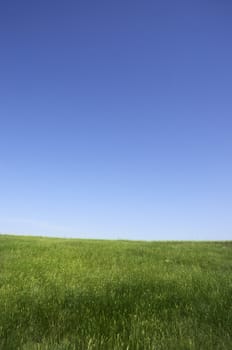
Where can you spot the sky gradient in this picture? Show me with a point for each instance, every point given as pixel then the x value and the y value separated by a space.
pixel 116 119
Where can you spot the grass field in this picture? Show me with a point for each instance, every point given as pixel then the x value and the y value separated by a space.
pixel 86 294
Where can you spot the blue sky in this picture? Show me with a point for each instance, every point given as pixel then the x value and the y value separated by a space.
pixel 116 119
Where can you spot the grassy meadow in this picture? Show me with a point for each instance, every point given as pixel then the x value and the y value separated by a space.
pixel 92 294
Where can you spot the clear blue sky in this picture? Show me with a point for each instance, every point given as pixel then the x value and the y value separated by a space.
pixel 116 118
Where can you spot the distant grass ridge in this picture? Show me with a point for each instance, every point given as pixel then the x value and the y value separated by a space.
pixel 68 294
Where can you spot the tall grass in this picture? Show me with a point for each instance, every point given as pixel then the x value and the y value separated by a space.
pixel 88 294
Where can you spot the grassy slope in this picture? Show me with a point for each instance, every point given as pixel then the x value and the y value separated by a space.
pixel 85 294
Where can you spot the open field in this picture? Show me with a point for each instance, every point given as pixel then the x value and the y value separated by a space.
pixel 86 294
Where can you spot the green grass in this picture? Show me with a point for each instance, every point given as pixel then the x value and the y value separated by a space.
pixel 89 294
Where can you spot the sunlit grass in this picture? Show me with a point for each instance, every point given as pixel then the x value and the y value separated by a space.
pixel 86 294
